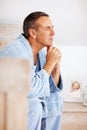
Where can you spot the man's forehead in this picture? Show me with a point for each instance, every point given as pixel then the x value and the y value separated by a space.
pixel 44 21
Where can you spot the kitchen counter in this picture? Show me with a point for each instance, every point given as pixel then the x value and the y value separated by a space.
pixel 74 116
pixel 74 107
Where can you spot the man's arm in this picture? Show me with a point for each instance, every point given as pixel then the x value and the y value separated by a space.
pixel 56 73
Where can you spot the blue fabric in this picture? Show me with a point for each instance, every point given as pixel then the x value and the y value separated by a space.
pixel 45 97
pixel 54 123
pixel 43 124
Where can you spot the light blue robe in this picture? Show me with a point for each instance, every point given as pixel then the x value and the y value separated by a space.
pixel 45 98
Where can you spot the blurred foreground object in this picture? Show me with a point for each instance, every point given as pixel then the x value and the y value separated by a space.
pixel 14 87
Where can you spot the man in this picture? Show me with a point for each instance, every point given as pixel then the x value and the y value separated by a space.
pixel 45 99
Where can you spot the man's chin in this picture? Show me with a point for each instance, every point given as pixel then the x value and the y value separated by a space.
pixel 51 44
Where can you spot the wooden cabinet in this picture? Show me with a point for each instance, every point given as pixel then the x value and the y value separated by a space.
pixel 13 111
pixel 14 87
pixel 74 117
pixel 2 112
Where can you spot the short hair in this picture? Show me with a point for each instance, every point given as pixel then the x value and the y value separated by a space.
pixel 29 21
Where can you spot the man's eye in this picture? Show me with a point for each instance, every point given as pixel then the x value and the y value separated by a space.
pixel 49 28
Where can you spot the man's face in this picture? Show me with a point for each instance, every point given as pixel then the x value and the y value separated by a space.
pixel 44 32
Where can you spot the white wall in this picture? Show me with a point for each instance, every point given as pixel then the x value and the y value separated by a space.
pixel 69 17
pixel 73 68
pixel 70 21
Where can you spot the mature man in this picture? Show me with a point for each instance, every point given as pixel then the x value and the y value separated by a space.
pixel 45 98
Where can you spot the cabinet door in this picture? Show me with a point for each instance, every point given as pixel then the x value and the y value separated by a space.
pixel 74 121
pixel 13 111
pixel 14 86
pixel 2 111
pixel 16 111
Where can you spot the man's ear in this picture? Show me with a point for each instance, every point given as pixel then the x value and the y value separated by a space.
pixel 32 33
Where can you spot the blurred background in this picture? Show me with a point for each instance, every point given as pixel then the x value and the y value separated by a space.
pixel 69 18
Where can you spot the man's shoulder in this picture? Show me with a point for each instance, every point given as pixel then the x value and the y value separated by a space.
pixel 16 48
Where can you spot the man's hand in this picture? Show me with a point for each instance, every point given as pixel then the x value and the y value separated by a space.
pixel 52 58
